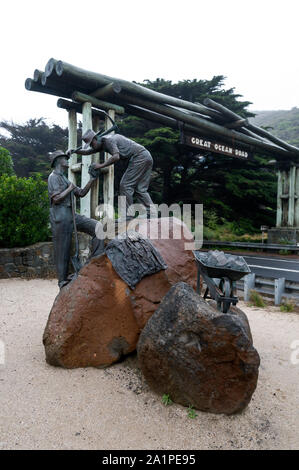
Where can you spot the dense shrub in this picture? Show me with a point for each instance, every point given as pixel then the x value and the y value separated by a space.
pixel 218 228
pixel 24 211
pixel 6 164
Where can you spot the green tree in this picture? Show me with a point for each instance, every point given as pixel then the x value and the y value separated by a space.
pixel 229 186
pixel 24 211
pixel 30 143
pixel 6 164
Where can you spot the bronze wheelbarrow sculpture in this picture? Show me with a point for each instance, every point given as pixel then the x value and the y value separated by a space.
pixel 220 280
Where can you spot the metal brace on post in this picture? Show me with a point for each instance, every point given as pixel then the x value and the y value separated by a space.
pixel 279 285
pixel 108 183
pixel 249 282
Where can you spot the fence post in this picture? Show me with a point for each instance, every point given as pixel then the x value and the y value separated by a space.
pixel 85 202
pixel 249 282
pixel 72 143
pixel 96 185
pixel 279 285
pixel 108 183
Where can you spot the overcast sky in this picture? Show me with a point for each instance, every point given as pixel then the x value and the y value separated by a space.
pixel 252 43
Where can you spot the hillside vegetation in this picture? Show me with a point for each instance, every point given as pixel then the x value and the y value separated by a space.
pixel 284 124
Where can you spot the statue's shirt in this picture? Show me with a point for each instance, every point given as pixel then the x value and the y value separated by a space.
pixel 126 148
pixel 57 183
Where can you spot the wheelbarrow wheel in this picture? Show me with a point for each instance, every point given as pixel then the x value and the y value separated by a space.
pixel 226 288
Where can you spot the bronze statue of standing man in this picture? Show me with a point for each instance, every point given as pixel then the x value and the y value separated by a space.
pixel 61 190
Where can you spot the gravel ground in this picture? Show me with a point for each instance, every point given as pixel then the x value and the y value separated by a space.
pixel 44 407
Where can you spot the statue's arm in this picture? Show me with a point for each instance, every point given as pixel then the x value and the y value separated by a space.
pixel 81 192
pixel 108 162
pixel 89 151
pixel 111 147
pixel 57 198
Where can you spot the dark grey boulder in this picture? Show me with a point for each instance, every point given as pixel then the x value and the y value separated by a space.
pixel 198 355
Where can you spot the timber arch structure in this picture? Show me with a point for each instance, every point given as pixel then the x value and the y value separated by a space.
pixel 208 126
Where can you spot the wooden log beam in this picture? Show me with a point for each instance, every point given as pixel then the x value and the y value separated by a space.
pixel 202 124
pixel 175 124
pixel 192 113
pixel 50 67
pixel 251 127
pixel 54 83
pixel 263 133
pixel 92 81
pixel 222 109
pixel 30 85
pixel 160 119
pixel 236 124
pixel 83 98
pixel 107 91
pixel 37 75
pixel 68 105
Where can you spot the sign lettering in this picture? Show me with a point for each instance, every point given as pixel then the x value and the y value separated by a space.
pixel 217 147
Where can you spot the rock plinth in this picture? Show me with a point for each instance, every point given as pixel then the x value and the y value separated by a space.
pixel 97 318
pixel 199 355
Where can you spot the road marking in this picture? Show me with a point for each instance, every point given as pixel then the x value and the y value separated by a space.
pixel 271 259
pixel 274 269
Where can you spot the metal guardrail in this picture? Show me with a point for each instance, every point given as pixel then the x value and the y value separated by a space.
pixel 277 288
pixel 264 246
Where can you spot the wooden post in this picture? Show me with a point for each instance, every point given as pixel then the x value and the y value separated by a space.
pixel 279 205
pixel 291 211
pixel 96 185
pixel 297 197
pixel 108 184
pixel 72 143
pixel 285 198
pixel 85 202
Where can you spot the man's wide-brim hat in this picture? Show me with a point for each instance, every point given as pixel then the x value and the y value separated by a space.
pixel 56 154
pixel 87 137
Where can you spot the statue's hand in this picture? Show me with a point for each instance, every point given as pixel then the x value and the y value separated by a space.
pixel 69 152
pixel 93 171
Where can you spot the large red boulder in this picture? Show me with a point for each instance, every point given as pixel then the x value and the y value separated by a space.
pixel 97 318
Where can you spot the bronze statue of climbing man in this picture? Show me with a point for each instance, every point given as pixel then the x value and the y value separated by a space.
pixel 136 179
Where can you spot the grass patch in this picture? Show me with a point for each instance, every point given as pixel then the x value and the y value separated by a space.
pixel 191 412
pixel 166 400
pixel 256 299
pixel 287 306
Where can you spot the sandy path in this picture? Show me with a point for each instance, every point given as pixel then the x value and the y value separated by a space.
pixel 44 407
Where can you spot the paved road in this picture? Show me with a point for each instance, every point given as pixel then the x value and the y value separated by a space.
pixel 271 267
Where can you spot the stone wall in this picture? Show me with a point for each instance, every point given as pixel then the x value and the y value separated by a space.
pixel 282 235
pixel 32 261
pixel 36 261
